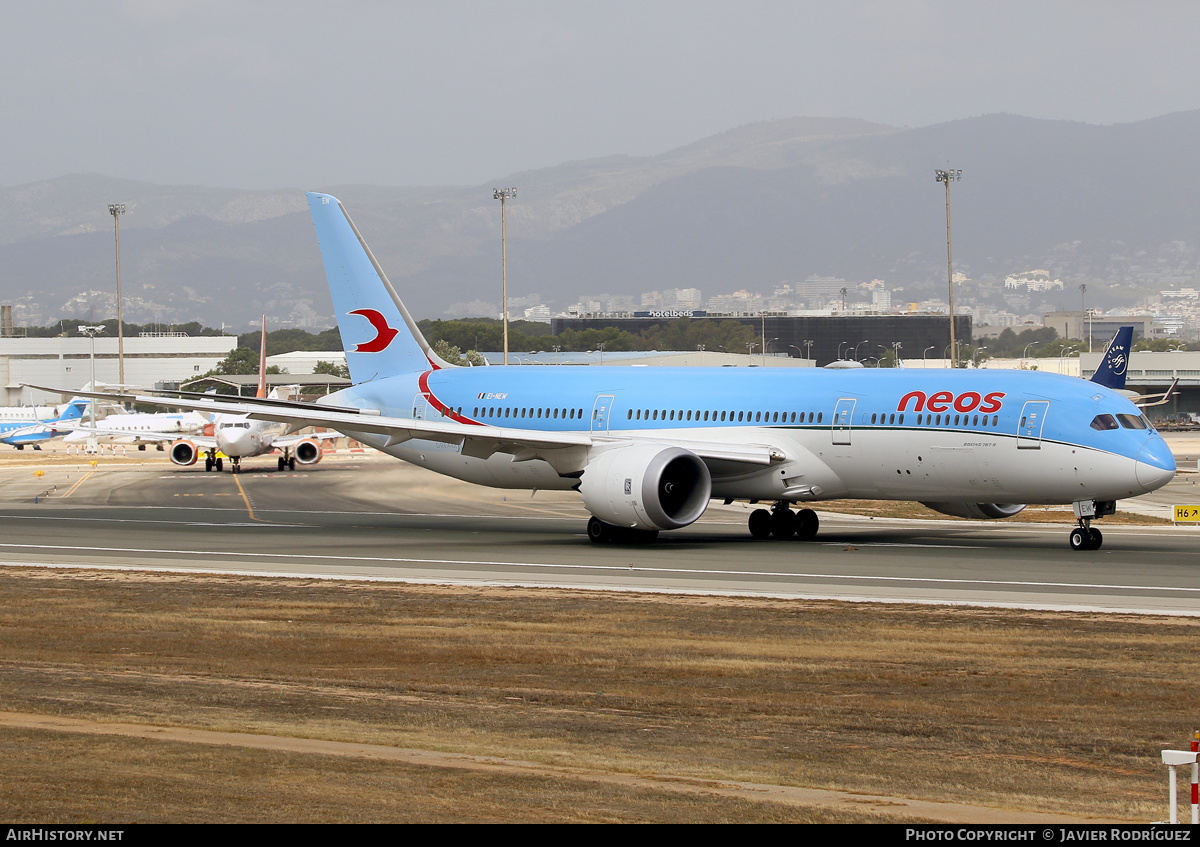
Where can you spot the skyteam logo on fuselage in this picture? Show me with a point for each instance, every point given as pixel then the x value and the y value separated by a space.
pixel 944 401
pixel 383 333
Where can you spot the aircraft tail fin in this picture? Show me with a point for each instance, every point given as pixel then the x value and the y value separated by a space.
pixel 74 411
pixel 1115 364
pixel 378 334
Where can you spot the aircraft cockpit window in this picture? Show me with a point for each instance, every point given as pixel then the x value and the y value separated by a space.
pixel 1104 422
pixel 1146 420
pixel 1132 421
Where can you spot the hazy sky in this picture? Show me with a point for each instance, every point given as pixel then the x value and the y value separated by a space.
pixel 306 94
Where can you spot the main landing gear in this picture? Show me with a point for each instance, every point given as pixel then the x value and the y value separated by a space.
pixel 212 461
pixel 781 522
pixel 287 463
pixel 1084 536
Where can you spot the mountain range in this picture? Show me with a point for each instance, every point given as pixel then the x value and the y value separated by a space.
pixel 1116 207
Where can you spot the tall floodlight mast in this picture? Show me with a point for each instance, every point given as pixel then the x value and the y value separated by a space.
pixel 116 210
pixel 948 177
pixel 504 194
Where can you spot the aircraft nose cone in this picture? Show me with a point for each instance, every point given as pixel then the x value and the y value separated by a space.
pixel 1155 464
pixel 232 443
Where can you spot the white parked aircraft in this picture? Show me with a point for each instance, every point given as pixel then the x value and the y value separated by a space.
pixel 237 436
pixel 139 428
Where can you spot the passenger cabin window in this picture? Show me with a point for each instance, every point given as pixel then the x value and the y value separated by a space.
pixel 1103 422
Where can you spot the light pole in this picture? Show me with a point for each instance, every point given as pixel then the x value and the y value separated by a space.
pixel 504 194
pixel 948 177
pixel 1083 315
pixel 925 356
pixel 1062 359
pixel 859 344
pixel 116 210
pixel 1025 355
pixel 91 332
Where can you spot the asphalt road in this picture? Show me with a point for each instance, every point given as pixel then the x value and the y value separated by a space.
pixel 366 516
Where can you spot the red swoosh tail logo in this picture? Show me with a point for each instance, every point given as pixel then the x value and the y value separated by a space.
pixel 383 333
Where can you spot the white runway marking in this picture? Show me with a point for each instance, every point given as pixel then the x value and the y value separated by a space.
pixel 626 568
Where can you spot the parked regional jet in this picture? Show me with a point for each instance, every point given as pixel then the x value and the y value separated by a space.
pixel 648 448
pixel 140 428
pixel 19 433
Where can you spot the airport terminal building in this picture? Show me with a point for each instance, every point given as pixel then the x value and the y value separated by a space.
pixel 152 360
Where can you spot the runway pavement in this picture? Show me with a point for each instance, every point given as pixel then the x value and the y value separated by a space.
pixel 366 516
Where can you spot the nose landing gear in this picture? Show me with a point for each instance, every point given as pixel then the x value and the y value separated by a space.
pixel 1084 537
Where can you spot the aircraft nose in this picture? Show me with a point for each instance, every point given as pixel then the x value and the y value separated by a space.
pixel 232 442
pixel 1155 464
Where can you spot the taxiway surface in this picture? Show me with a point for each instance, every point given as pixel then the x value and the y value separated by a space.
pixel 366 516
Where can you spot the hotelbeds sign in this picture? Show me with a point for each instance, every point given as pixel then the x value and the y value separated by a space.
pixel 673 313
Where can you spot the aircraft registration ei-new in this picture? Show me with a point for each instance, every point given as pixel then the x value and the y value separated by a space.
pixel 649 448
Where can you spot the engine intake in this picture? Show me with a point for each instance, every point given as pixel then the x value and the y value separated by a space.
pixel 977 511
pixel 183 453
pixel 646 486
pixel 308 452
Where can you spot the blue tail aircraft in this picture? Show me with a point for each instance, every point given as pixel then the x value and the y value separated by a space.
pixel 648 448
pixel 1115 364
pixel 34 432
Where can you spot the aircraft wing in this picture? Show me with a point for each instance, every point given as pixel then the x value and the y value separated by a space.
pixel 567 452
pixel 1145 401
pixel 288 441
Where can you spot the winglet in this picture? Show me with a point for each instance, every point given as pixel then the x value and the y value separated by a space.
pixel 379 335
pixel 1115 364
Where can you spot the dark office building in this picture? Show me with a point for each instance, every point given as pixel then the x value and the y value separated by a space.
pixel 832 336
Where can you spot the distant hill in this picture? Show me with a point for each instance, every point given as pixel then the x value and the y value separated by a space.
pixel 1116 206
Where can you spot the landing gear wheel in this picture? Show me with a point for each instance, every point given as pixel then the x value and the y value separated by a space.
pixel 598 531
pixel 1097 539
pixel 281 463
pixel 208 464
pixel 1081 539
pixel 220 465
pixel 760 523
pixel 783 524
pixel 291 463
pixel 807 524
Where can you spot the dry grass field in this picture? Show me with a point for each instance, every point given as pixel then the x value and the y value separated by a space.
pixel 154 697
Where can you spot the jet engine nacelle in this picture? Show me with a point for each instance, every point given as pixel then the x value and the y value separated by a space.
pixel 308 451
pixel 977 511
pixel 183 453
pixel 646 486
